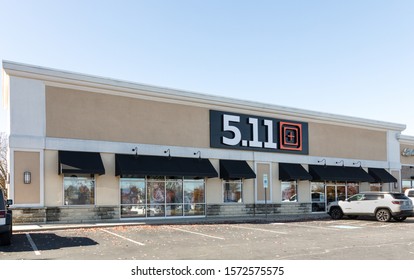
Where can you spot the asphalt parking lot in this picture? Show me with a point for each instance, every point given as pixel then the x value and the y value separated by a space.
pixel 362 239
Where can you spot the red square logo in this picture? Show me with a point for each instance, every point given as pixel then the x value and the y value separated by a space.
pixel 290 135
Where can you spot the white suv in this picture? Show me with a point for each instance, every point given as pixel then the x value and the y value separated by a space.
pixel 382 205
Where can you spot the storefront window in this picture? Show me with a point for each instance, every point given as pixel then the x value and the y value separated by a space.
pixel 79 190
pixel 161 197
pixel 351 189
pixel 156 197
pixel 174 197
pixel 318 197
pixel 289 191
pixel 194 199
pixel 232 191
pixel 133 198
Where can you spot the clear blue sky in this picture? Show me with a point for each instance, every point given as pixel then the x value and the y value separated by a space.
pixel 353 57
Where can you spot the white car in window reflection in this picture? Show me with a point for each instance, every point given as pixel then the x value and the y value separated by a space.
pixel 140 210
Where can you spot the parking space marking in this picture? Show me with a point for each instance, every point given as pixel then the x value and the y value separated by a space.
pixel 193 232
pixel 259 229
pixel 120 236
pixel 34 247
pixel 315 227
pixel 345 227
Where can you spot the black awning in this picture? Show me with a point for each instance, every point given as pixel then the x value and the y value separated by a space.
pixel 381 175
pixel 139 166
pixel 339 173
pixel 235 169
pixel 80 163
pixel 293 171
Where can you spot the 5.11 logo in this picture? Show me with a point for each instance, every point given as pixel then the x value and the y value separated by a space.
pixel 245 132
pixel 290 136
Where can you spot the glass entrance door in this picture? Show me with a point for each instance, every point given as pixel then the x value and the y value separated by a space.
pixel 324 193
pixel 335 192
pixel 330 194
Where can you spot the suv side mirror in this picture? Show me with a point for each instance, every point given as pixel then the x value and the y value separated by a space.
pixel 9 202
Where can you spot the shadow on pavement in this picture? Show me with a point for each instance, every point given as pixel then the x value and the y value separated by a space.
pixel 45 241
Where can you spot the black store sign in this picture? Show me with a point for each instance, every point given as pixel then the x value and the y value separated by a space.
pixel 245 132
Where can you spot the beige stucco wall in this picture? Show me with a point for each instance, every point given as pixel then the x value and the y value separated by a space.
pixel 53 181
pixel 261 169
pixel 248 191
pixel 326 140
pixel 107 185
pixel 304 191
pixel 276 184
pixel 95 116
pixel 214 193
pixel 26 193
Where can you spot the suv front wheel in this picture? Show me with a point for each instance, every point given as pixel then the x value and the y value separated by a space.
pixel 336 213
pixel 383 215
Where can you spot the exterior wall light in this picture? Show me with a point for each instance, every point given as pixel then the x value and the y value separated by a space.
pixel 322 160
pixel 199 155
pixel 27 177
pixel 136 151
pixel 169 153
pixel 343 164
pixel 355 163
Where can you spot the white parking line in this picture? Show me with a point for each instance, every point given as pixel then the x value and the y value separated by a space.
pixel 202 234
pixel 120 236
pixel 345 227
pixel 350 222
pixel 310 226
pixel 34 247
pixel 259 229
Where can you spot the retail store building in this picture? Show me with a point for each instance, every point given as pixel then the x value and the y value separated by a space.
pixel 85 148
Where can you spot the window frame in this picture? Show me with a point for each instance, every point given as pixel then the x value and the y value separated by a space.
pixel 293 184
pixel 235 181
pixel 78 177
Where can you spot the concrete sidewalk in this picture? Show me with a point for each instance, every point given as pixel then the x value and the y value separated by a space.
pixel 172 221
